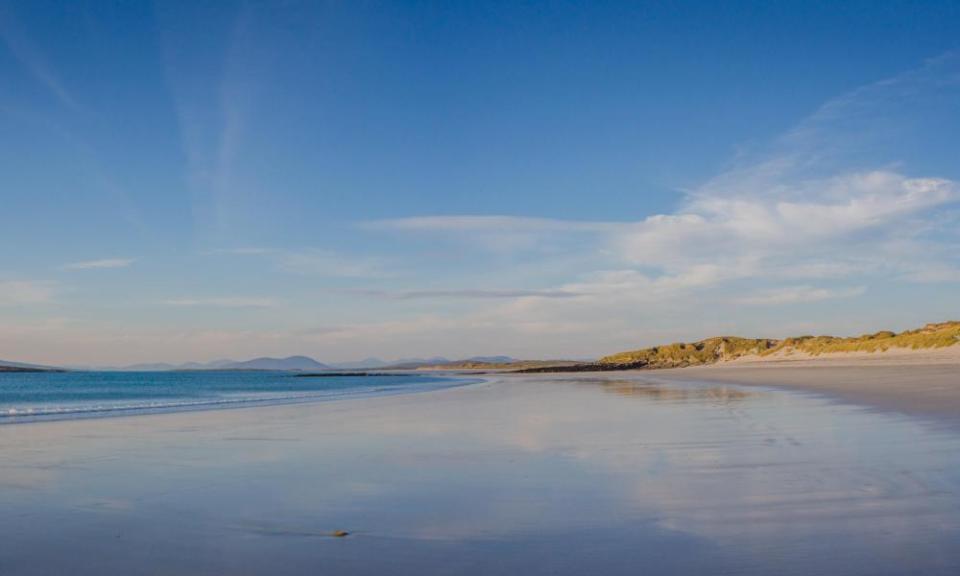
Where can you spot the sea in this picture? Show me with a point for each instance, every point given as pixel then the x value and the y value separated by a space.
pixel 32 396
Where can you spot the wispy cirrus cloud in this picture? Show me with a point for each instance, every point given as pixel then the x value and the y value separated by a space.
pixel 224 302
pixel 216 116
pixel 30 57
pixel 101 264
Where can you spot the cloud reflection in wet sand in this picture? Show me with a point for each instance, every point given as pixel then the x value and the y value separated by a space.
pixel 673 393
pixel 534 475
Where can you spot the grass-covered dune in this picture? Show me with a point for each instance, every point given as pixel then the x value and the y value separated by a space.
pixel 726 348
pixel 707 351
pixel 730 348
pixel 513 365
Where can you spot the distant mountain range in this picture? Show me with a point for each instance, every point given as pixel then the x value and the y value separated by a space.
pixel 377 363
pixel 291 363
pixel 264 363
pixel 440 362
pixel 368 363
pixel 305 363
pixel 6 366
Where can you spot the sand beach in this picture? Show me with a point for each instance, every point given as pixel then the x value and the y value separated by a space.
pixel 754 469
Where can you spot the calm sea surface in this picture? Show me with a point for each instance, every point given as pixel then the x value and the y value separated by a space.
pixel 26 396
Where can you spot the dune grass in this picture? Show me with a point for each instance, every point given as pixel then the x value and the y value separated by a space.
pixel 726 348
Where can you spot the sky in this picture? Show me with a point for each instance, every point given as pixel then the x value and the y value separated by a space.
pixel 185 181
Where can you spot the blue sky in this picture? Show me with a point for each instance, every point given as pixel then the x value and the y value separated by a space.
pixel 186 181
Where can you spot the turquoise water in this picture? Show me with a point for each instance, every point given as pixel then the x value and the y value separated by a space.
pixel 28 396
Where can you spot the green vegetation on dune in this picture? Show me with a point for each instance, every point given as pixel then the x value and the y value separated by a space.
pixel 727 348
pixel 930 336
pixel 513 365
pixel 691 354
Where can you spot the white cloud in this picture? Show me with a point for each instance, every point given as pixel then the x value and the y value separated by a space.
pixel 20 292
pixel 227 302
pixel 812 229
pixel 100 264
pixel 755 226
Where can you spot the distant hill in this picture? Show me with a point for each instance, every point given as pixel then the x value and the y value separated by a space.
pixel 214 365
pixel 6 366
pixel 289 363
pixel 483 363
pixel 365 364
pixel 9 368
pixel 412 363
pixel 492 359
pixel 511 364
pixel 265 363
pixel 727 348
pixel 164 366
pixel 149 367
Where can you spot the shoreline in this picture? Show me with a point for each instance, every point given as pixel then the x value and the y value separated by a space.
pixel 915 383
pixel 432 383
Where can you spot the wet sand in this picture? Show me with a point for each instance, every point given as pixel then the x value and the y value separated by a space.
pixel 571 474
pixel 926 385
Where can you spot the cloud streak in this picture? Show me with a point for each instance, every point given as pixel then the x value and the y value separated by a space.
pixel 105 263
pixel 11 32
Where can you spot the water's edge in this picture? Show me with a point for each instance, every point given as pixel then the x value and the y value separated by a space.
pixel 270 394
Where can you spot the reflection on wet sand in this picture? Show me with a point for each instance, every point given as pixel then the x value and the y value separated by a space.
pixel 528 475
pixel 672 392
